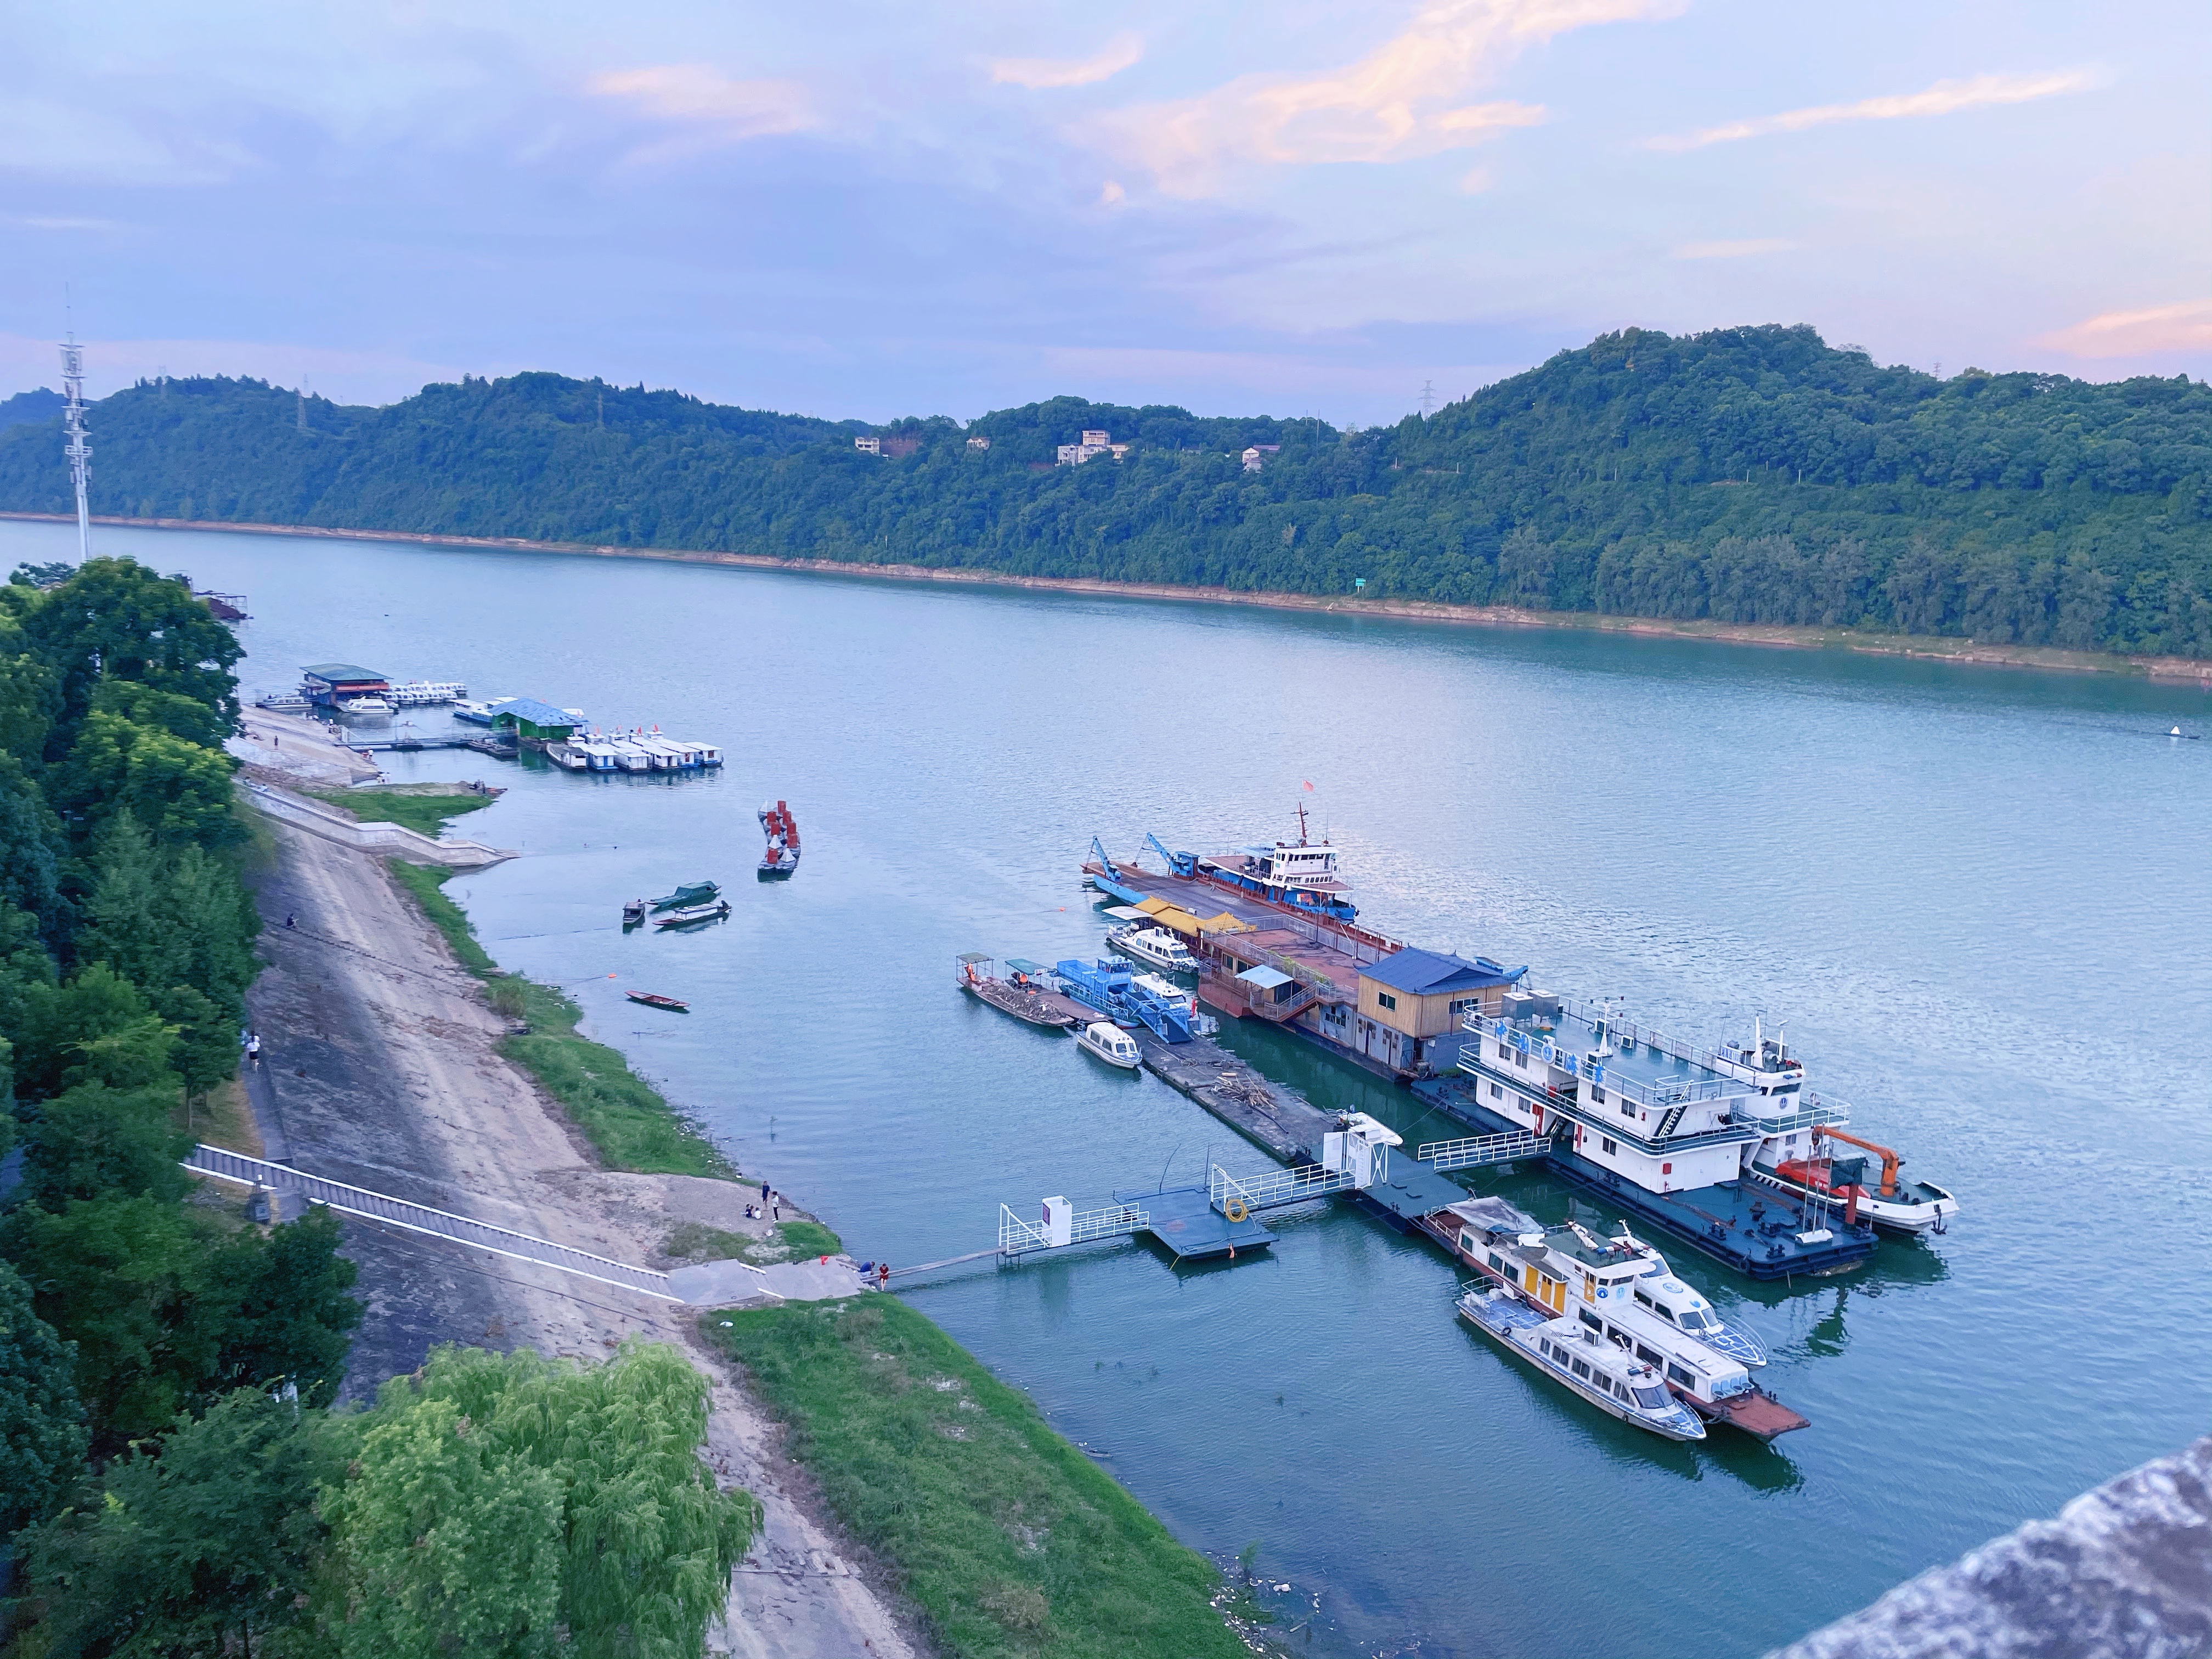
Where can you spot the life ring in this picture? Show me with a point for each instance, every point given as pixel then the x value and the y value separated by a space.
pixel 1234 1210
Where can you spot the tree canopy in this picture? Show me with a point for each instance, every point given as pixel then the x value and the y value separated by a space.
pixel 1745 475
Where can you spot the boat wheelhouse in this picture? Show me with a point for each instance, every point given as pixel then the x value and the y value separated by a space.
pixel 1110 1043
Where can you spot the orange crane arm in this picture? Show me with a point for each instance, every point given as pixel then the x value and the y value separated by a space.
pixel 1889 1160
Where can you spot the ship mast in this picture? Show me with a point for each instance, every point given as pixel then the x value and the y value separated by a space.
pixel 78 451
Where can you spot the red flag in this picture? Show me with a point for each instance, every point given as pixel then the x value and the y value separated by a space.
pixel 1309 783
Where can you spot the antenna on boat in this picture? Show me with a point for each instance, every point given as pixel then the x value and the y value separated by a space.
pixel 1301 823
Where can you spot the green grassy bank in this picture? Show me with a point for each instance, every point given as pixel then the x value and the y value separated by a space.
pixel 1011 1543
pixel 621 1114
pixel 422 808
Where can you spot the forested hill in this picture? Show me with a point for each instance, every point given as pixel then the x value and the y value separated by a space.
pixel 1746 475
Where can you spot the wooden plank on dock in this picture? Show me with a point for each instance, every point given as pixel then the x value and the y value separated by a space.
pixel 1279 1121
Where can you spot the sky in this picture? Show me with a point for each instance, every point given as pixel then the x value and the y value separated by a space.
pixel 879 210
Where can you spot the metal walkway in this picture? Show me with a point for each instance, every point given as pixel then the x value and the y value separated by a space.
pixel 420 1218
pixel 1473 1151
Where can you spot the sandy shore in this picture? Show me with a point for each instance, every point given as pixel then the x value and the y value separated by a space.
pixel 379 1069
pixel 1481 615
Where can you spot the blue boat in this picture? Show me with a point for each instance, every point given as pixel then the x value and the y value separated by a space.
pixel 1131 999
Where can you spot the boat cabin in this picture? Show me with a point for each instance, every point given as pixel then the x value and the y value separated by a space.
pixel 1413 1006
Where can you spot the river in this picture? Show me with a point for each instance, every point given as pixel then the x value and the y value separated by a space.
pixel 1980 898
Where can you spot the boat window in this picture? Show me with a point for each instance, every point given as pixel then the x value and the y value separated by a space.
pixel 1581 1369
pixel 1663 1311
pixel 1590 1320
pixel 1642 1300
pixel 1681 1376
pixel 1651 1400
pixel 1496 1092
pixel 1648 1355
pixel 1693 1321
pixel 1497 1262
pixel 1607 1145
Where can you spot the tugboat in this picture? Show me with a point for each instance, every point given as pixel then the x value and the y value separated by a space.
pixel 781 857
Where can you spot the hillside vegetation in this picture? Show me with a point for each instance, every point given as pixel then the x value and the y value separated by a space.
pixel 1750 475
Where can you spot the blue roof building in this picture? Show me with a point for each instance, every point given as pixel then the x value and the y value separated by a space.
pixel 1411 1006
pixel 527 717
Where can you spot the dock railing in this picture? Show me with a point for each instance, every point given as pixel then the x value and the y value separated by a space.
pixel 1275 1188
pixel 1472 1152
pixel 1018 1237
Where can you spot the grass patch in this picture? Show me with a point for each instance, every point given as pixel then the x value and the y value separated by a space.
pixel 620 1114
pixel 1012 1541
pixel 421 808
pixel 694 1240
pixel 222 1118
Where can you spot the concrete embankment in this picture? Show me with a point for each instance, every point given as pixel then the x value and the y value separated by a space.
pixel 380 1067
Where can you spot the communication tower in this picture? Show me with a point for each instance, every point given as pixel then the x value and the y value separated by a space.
pixel 1428 398
pixel 79 452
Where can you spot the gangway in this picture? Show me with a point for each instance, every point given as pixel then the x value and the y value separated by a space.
pixel 1472 1151
pixel 1273 1189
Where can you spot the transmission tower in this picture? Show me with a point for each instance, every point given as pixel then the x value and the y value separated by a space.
pixel 78 451
pixel 1428 398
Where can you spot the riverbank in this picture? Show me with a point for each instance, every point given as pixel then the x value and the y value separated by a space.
pixel 1778 635
pixel 1013 1542
pixel 626 1120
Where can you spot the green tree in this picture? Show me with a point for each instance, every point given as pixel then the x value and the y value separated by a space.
pixel 179 791
pixel 42 1433
pixel 206 1048
pixel 95 1140
pixel 97 1027
pixel 210 1546
pixel 116 620
pixel 606 1523
pixel 127 1281
pixel 291 1317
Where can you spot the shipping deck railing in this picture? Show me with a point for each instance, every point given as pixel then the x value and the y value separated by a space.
pixel 1275 1188
pixel 1017 1237
pixel 1472 1151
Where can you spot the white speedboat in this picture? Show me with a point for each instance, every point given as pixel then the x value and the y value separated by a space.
pixel 1582 1361
pixel 1156 947
pixel 370 704
pixel 1110 1044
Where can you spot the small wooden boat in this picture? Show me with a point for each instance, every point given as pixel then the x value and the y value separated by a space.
pixel 690 913
pixel 696 893
pixel 781 857
pixel 1021 996
pixel 654 999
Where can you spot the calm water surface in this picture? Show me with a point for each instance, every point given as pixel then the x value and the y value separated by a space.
pixel 1980 898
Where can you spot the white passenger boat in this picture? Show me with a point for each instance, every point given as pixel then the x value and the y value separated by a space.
pixel 371 704
pixel 1110 1043
pixel 1582 1361
pixel 419 694
pixel 1567 1269
pixel 1495 1237
pixel 1156 947
pixel 476 714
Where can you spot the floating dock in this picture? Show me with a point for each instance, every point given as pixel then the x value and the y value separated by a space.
pixel 1280 1122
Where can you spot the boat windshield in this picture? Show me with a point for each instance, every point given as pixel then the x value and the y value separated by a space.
pixel 1694 1321
pixel 1651 1399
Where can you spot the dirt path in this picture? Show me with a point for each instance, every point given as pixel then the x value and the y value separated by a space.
pixel 379 1067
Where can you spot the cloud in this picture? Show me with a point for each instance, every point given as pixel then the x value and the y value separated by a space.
pixel 1112 195
pixel 1944 97
pixel 2185 327
pixel 714 109
pixel 1395 104
pixel 1744 250
pixel 1038 73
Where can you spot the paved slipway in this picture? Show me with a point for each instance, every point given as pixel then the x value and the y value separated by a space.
pixel 378 1068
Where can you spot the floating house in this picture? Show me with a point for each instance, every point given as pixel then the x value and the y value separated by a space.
pixel 1412 1008
pixel 532 721
pixel 329 684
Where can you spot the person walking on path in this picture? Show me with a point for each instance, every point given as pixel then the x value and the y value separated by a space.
pixel 254 1049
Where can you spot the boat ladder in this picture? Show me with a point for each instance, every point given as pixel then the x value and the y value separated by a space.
pixel 1475 1151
